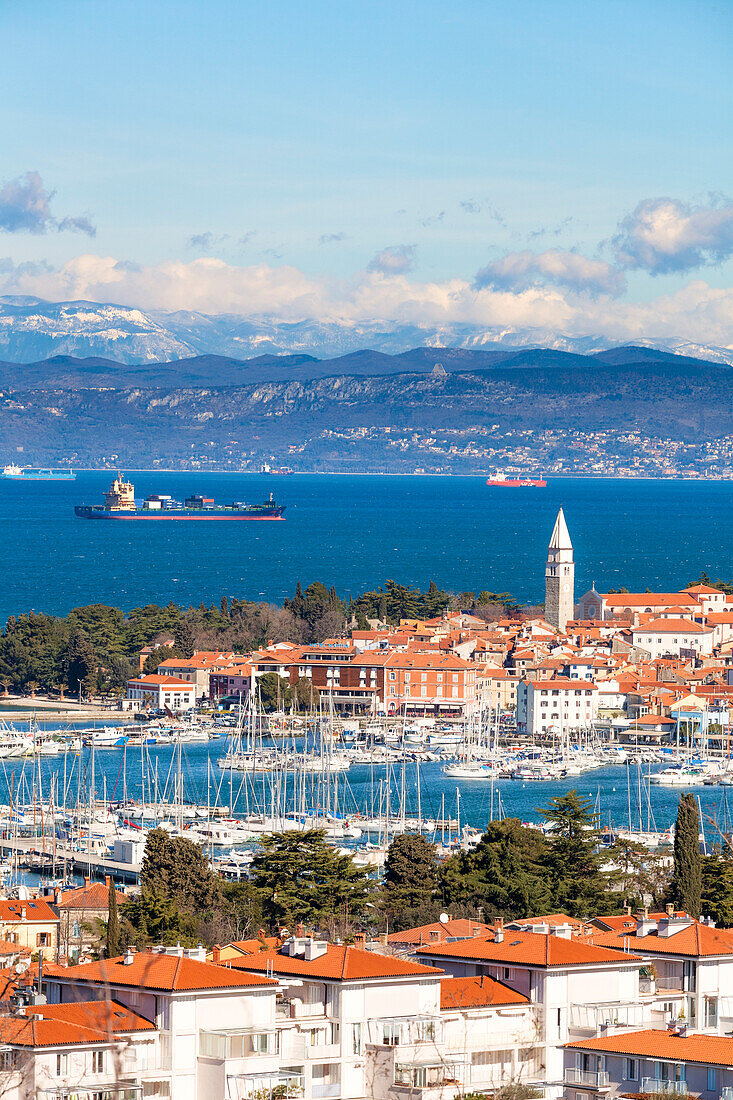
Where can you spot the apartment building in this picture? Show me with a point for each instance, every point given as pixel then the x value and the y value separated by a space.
pixel 212 1029
pixel 574 986
pixel 689 962
pixel 650 1062
pixel 197 670
pixel 365 1024
pixel 162 691
pixel 88 1050
pixel 558 705
pixel 31 924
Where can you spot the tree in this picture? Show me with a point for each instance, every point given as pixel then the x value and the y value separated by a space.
pixel 717 889
pixel 505 875
pixel 185 640
pixel 304 694
pixel 150 918
pixel 177 869
pixel 410 881
pixel 641 876
pixel 159 654
pixel 300 878
pixel 579 886
pixel 80 663
pixel 274 691
pixel 686 884
pixel 114 944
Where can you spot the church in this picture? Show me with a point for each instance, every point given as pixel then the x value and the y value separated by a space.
pixel 560 577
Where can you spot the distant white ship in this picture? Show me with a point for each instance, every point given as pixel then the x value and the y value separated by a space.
pixel 33 473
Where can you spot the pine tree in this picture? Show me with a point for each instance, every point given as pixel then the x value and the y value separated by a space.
pixel 581 888
pixel 113 946
pixel 410 880
pixel 686 885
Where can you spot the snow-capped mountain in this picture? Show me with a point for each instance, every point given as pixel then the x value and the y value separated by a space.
pixel 31 330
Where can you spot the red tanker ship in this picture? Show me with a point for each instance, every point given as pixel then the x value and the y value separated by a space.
pixel 517 482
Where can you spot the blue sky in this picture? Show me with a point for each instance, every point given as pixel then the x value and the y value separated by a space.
pixel 444 137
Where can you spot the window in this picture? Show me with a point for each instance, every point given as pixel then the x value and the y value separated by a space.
pixel 97 1061
pixel 356 1042
pixel 711 1012
pixel 393 675
pixel 43 939
pixel 62 1065
pixel 632 1069
pixel 7 1059
pixel 391 1032
pixel 712 1085
pixel 76 929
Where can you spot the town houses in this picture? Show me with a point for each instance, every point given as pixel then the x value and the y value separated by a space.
pixel 643 662
pixel 635 1005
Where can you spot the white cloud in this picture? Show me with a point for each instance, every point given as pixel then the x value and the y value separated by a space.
pixel 520 270
pixel 25 207
pixel 666 235
pixel 395 260
pixel 696 313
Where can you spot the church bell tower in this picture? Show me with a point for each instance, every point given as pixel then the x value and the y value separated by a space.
pixel 560 577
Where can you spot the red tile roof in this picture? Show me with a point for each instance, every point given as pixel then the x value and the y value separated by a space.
pixel 35 909
pixel 530 949
pixel 154 680
pixel 714 1050
pixel 694 941
pixel 93 896
pixel 340 962
pixel 438 931
pixel 63 1025
pixel 476 992
pixel 155 970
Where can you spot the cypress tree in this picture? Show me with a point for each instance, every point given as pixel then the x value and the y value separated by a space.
pixel 686 885
pixel 113 925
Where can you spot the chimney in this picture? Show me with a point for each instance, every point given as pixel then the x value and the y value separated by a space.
pixel 670 910
pixel 499 930
pixel 86 881
pixel 129 957
pixel 216 953
pixel 360 939
pixel 107 881
pixel 299 931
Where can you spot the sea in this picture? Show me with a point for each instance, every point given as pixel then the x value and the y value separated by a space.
pixel 355 532
pixel 619 795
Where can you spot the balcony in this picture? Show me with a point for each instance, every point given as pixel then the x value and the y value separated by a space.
pixel 592 1079
pixel 653 1084
pixel 726 1093
pixel 243 1043
pixel 332 1088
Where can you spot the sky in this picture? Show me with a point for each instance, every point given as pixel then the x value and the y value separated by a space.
pixel 557 165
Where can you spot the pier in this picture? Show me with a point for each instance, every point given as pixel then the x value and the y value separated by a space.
pixel 57 857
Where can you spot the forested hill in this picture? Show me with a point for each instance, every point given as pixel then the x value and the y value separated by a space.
pixel 85 409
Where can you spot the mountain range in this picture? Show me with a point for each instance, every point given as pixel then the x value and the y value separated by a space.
pixel 362 410
pixel 32 330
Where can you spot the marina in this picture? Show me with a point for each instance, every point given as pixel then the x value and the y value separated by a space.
pixel 84 806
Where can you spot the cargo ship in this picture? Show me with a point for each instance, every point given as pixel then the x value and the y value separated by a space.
pixel 120 503
pixel 31 473
pixel 517 482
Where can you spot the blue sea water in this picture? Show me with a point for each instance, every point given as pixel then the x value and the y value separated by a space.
pixel 355 532
pixel 618 794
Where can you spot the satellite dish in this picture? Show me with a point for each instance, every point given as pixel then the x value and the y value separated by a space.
pixel 19 968
pixel 444 918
